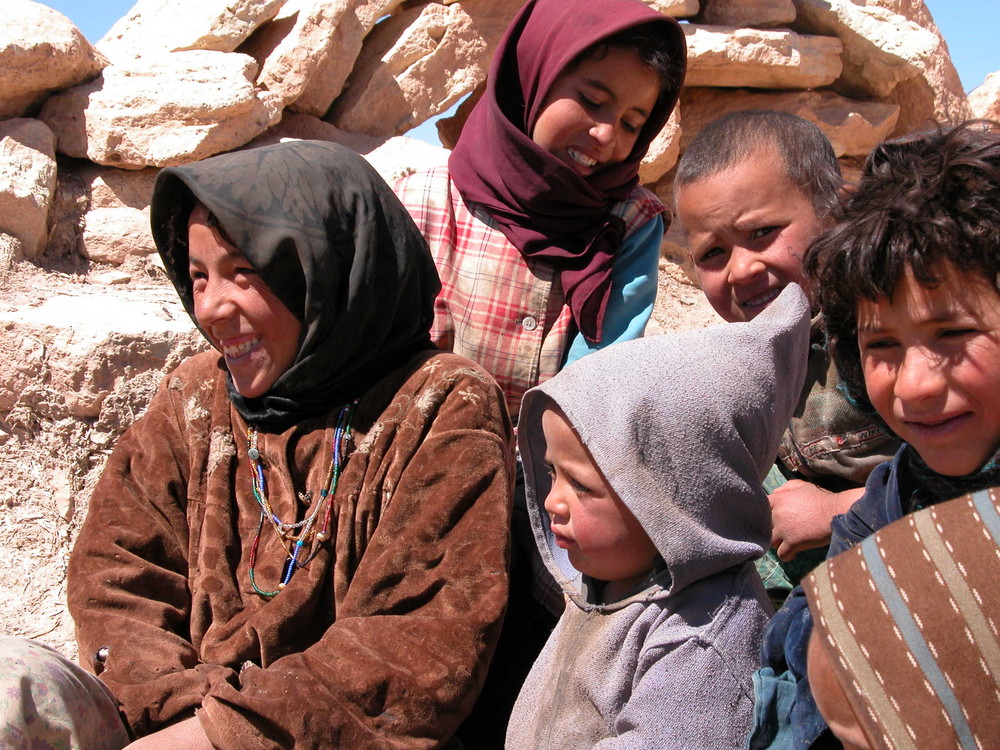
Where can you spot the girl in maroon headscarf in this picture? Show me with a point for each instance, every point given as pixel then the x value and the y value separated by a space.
pixel 546 245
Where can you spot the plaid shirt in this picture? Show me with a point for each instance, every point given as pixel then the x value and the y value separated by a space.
pixel 496 307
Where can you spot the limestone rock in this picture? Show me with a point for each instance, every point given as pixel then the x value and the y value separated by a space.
pixel 663 151
pixel 153 27
pixel 102 213
pixel 162 111
pixel 880 47
pixel 675 8
pixel 112 278
pixel 742 13
pixel 449 128
pixel 299 127
pixel 420 62
pixel 111 235
pixel 853 127
pixel 726 56
pixel 41 51
pixel 11 249
pixel 114 219
pixel 915 10
pixel 27 182
pixel 308 50
pixel 118 188
pixel 400 156
pixel 883 49
pixel 937 93
pixel 985 100
pixel 74 348
pixel 392 157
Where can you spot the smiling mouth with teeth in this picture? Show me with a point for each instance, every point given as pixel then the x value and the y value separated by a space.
pixel 761 299
pixel 580 158
pixel 234 352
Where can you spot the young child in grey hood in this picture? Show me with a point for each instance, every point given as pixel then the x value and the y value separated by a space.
pixel 643 467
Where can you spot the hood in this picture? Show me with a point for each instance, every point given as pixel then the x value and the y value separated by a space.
pixel 684 427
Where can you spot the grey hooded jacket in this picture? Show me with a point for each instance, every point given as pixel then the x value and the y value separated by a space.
pixel 684 427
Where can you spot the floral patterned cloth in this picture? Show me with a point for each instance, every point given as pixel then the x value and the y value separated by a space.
pixel 49 703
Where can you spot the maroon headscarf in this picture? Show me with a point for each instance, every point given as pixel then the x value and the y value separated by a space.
pixel 542 206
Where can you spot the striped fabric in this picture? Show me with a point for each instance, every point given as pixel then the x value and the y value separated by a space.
pixel 910 619
pixel 495 307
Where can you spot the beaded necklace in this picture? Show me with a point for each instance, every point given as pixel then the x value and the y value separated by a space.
pixel 304 536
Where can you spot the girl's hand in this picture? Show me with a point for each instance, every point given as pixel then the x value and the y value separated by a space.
pixel 801 514
pixel 185 735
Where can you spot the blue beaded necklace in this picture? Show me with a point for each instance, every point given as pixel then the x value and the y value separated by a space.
pixel 302 540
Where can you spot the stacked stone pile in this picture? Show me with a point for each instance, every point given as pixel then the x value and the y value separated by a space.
pixel 89 323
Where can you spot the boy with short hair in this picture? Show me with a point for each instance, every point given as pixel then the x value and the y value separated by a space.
pixel 643 467
pixel 752 190
pixel 908 282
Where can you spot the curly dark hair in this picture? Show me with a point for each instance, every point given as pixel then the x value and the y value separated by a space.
pixel 923 199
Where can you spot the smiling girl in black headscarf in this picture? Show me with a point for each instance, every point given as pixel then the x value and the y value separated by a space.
pixel 303 542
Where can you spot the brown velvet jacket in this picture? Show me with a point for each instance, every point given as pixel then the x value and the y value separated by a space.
pixel 382 641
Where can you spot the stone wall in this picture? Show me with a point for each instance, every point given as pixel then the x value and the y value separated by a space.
pixel 89 323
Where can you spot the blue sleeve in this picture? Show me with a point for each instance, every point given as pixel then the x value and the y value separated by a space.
pixel 877 508
pixel 799 724
pixel 795 723
pixel 633 291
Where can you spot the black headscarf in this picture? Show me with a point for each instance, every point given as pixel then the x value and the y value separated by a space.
pixel 332 242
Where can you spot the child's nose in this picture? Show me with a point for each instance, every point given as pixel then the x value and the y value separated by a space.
pixel 603 133
pixel 744 264
pixel 920 375
pixel 213 303
pixel 554 504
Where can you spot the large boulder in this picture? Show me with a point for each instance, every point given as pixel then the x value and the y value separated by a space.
pixel 881 48
pixel 298 127
pixel 420 62
pixel 308 50
pixel 116 226
pixel 675 8
pixel 884 49
pixel 41 51
pixel 27 184
pixel 758 13
pixel 853 127
pixel 153 27
pixel 162 111
pixel 663 151
pixel 77 367
pixel 752 58
pixel 392 157
pixel 61 357
pixel 985 99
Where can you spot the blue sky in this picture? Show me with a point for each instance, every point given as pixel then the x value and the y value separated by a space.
pixel 969 27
